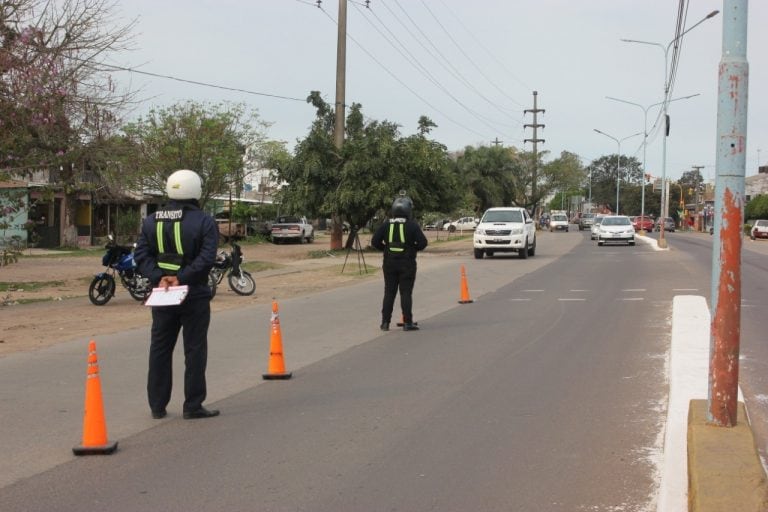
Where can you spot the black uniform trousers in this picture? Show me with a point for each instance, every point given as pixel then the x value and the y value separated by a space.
pixel 192 317
pixel 399 273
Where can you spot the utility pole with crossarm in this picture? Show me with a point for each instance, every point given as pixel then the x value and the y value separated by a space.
pixel 535 140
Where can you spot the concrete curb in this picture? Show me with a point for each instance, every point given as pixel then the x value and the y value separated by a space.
pixel 724 469
pixel 705 468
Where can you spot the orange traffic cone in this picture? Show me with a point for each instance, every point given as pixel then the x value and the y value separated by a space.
pixel 464 289
pixel 94 425
pixel 276 369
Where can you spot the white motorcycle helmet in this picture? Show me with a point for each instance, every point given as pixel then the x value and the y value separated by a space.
pixel 184 184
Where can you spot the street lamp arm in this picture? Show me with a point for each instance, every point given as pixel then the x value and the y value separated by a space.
pixel 643 42
pixel 655 104
pixel 702 20
pixel 630 136
pixel 609 136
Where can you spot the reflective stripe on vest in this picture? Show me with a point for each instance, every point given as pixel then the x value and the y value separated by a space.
pixel 392 237
pixel 161 245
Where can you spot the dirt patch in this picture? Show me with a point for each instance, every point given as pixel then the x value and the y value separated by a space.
pixel 57 285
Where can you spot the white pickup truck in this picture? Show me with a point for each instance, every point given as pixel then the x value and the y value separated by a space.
pixel 289 228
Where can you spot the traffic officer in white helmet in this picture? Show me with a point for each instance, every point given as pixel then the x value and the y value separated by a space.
pixel 177 246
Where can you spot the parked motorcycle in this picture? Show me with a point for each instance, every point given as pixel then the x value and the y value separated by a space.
pixel 118 260
pixel 229 263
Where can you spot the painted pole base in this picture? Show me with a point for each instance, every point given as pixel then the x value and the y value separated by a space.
pixel 276 376
pixel 106 449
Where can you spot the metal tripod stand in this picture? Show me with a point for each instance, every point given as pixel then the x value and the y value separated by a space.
pixel 353 243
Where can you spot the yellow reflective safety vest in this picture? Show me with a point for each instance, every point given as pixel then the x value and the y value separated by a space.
pixel 396 238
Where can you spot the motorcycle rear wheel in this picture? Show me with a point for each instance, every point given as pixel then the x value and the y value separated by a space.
pixel 213 283
pixel 140 294
pixel 243 285
pixel 102 289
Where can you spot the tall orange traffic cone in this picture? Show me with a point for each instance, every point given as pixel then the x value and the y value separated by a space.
pixel 464 289
pixel 276 368
pixel 94 425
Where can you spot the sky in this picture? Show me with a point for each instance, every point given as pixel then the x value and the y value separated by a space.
pixel 471 67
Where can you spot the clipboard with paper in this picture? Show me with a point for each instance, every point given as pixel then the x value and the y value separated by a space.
pixel 171 296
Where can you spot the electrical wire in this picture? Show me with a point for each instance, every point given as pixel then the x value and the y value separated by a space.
pixel 444 61
pixel 401 82
pixel 419 67
pixel 489 53
pixel 114 67
pixel 469 59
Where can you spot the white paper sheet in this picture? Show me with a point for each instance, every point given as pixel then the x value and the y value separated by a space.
pixel 173 296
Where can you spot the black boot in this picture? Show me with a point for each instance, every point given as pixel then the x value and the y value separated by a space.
pixel 410 327
pixel 384 326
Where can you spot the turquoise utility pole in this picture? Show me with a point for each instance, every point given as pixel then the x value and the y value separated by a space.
pixel 725 299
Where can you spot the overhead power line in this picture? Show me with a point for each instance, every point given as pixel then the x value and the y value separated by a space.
pixel 422 69
pixel 489 53
pixel 401 82
pixel 195 82
pixel 469 59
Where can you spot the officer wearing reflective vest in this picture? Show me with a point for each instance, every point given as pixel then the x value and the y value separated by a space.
pixel 400 238
pixel 177 246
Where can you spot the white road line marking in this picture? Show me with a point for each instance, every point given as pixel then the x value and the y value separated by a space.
pixel 634 290
pixel 571 300
pixel 533 290
pixel 579 291
pixel 631 298
pixel 520 300
pixel 685 289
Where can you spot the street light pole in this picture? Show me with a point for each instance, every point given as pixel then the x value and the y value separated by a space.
pixel 645 143
pixel 664 207
pixel 618 160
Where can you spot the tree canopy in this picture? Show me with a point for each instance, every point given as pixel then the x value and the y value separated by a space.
pixel 757 208
pixel 374 165
pixel 58 103
pixel 604 180
pixel 219 142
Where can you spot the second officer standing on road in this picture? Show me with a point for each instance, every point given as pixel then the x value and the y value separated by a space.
pixel 177 246
pixel 400 238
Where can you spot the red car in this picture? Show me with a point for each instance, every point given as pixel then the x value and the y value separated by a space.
pixel 644 223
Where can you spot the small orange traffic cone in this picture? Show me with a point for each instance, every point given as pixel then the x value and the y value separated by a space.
pixel 94 425
pixel 464 289
pixel 276 368
pixel 402 322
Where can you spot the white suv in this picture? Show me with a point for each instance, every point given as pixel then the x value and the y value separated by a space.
pixel 505 229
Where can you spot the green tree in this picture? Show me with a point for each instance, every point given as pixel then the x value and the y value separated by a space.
pixel 757 208
pixel 216 141
pixel 313 171
pixel 604 177
pixel 565 175
pixel 493 176
pixel 375 164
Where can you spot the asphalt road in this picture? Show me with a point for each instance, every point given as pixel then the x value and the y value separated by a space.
pixel 546 393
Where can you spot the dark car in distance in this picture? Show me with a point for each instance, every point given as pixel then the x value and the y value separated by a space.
pixel 669 224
